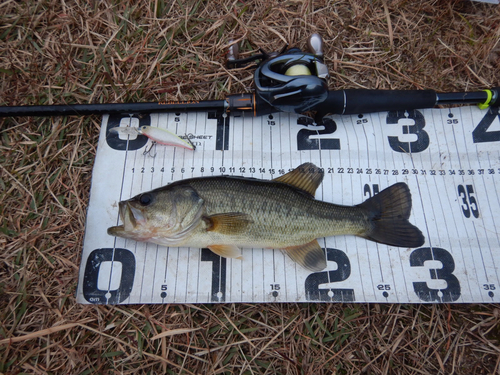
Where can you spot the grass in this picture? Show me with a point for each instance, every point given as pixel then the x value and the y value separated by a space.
pixel 88 51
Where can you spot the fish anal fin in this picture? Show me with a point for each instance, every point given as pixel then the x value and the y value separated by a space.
pixel 310 255
pixel 306 177
pixel 226 251
pixel 228 223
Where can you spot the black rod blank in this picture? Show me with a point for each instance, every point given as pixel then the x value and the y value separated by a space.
pixel 112 108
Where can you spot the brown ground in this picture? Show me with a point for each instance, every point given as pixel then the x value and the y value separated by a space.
pixel 95 51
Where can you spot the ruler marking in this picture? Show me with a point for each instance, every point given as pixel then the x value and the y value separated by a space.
pixel 497 200
pixel 232 149
pixel 377 247
pixel 253 151
pixel 261 147
pixel 486 195
pixel 278 126
pixel 251 276
pixel 371 121
pixel 264 272
pixel 243 138
pixel 442 211
pixel 166 267
pixel 166 249
pixel 230 291
pixel 480 252
pixel 280 140
pixel 118 214
pixel 144 254
pixel 422 206
pixel 252 171
pixel 203 149
pixel 175 279
pixel 198 267
pixel 263 166
pixel 321 197
pixel 393 283
pixel 388 151
pixel 466 154
pixel 366 246
pixel 433 215
pixel 223 148
pixel 271 150
pixel 460 167
pixel 153 284
pixel 319 148
pixel 453 203
pixel 151 186
pixel 366 147
pixel 380 265
pixel 242 284
pixel 353 240
pixel 475 229
pixel 188 261
pixel 191 156
pixel 285 280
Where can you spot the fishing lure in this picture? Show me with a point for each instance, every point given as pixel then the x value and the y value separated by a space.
pixel 161 136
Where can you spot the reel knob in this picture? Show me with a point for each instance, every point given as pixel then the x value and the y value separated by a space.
pixel 315 45
pixel 233 52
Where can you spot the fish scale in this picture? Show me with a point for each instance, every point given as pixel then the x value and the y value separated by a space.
pixel 294 217
pixel 226 213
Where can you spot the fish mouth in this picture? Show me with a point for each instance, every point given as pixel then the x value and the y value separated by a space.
pixel 131 218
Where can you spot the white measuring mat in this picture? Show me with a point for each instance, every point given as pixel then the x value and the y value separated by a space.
pixel 449 158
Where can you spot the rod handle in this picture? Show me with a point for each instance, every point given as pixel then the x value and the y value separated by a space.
pixel 356 101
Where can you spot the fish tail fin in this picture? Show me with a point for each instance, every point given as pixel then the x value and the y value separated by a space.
pixel 388 213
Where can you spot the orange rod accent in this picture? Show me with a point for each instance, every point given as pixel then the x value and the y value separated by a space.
pixel 254 106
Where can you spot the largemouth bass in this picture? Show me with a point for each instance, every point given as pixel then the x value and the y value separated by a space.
pixel 227 213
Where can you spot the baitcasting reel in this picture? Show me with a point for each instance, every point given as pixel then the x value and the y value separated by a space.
pixel 290 80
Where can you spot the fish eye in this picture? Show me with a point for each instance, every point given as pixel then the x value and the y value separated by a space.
pixel 145 199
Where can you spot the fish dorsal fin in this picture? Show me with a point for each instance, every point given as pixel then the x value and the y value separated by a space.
pixel 227 251
pixel 309 255
pixel 306 177
pixel 228 223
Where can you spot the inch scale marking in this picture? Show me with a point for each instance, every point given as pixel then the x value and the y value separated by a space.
pixel 448 157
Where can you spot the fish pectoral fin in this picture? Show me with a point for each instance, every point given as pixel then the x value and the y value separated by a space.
pixel 306 177
pixel 228 223
pixel 309 255
pixel 227 251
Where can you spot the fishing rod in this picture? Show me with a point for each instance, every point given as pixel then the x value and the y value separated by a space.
pixel 288 81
